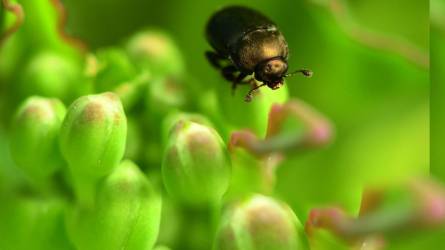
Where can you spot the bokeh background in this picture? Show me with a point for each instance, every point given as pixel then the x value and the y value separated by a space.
pixel 437 50
pixel 371 79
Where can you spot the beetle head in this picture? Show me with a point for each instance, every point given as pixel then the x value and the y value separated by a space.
pixel 272 72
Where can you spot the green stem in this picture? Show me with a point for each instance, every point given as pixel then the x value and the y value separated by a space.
pixel 1 10
pixel 40 27
pixel 268 167
pixel 44 186
pixel 215 214
pixel 85 189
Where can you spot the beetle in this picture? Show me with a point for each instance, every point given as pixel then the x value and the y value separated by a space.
pixel 247 43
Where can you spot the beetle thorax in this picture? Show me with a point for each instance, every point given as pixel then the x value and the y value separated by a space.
pixel 258 46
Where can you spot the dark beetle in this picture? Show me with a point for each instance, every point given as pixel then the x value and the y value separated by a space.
pixel 246 42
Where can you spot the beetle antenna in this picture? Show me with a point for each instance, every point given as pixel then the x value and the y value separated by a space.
pixel 305 72
pixel 248 97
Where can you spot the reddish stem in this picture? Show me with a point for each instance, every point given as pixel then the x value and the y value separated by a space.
pixel 318 131
pixel 431 200
pixel 378 218
pixel 376 40
pixel 245 139
pixel 61 25
pixel 17 10
pixel 319 128
pixel 371 199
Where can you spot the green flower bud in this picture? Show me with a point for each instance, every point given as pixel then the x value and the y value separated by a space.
pixel 156 51
pixel 161 248
pixel 134 143
pixel 113 67
pixel 50 74
pixel 32 223
pixel 173 118
pixel 196 167
pixel 126 214
pixel 133 91
pixel 92 140
pixel 34 138
pixel 165 94
pixel 93 134
pixel 260 223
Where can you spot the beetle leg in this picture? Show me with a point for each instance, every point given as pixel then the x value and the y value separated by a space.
pixel 239 80
pixel 215 59
pixel 230 74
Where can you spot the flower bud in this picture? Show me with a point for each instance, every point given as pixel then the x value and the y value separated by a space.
pixel 113 67
pixel 260 223
pixel 50 74
pixel 34 139
pixel 165 94
pixel 173 118
pixel 132 92
pixel 161 247
pixel 196 167
pixel 32 223
pixel 126 214
pixel 156 51
pixel 93 134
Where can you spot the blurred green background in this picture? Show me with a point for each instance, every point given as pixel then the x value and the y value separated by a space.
pixel 437 50
pixel 371 78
